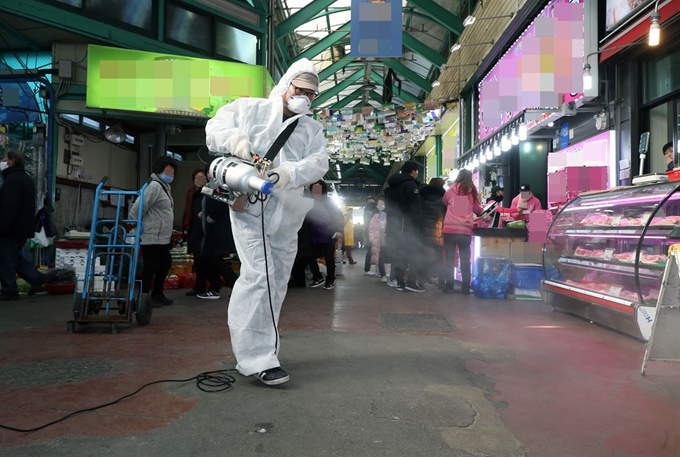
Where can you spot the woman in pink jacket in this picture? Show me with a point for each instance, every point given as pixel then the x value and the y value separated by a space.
pixel 462 203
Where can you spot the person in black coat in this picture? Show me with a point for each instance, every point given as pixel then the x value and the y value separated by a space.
pixel 304 256
pixel 17 225
pixel 218 241
pixel 434 211
pixel 403 231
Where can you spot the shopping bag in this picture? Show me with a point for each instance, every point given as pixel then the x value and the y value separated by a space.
pixel 41 238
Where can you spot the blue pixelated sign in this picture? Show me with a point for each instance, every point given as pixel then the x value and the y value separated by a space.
pixel 376 28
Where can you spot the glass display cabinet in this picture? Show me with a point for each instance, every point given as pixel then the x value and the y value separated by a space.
pixel 610 251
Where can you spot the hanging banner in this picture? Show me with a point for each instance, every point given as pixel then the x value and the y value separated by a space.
pixel 376 28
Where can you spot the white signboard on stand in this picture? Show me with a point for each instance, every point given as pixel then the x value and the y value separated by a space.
pixel 664 340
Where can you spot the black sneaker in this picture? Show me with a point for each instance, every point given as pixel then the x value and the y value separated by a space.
pixel 193 293
pixel 414 288
pixel 209 296
pixel 329 287
pixel 400 287
pixel 161 300
pixel 273 376
pixel 317 282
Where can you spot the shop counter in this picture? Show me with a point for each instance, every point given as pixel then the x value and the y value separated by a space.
pixel 507 243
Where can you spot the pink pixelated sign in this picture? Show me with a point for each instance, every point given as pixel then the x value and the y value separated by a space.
pixel 542 69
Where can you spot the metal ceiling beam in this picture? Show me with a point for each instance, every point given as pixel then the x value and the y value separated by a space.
pixel 303 16
pixel 405 95
pixel 324 43
pixel 409 74
pixel 335 67
pixel 440 15
pixel 347 100
pixel 419 47
pixel 327 95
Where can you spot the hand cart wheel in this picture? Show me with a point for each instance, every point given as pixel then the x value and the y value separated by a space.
pixel 143 309
pixel 77 307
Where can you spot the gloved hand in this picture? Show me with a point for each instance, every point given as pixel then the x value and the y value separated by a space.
pixel 244 149
pixel 280 177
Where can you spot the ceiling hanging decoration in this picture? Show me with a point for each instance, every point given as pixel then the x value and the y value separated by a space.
pixel 383 136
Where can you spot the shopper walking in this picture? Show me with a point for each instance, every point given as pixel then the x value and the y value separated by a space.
pixel 156 239
pixel 369 211
pixel 434 211
pixel 349 235
pixel 326 231
pixel 462 203
pixel 379 250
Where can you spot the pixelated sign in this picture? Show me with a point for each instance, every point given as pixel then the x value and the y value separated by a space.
pixel 376 28
pixel 159 83
pixel 542 68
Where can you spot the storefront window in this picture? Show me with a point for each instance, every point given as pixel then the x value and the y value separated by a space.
pixel 236 44
pixel 189 28
pixel 661 76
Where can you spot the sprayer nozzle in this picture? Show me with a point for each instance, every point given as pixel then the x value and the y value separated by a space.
pixel 267 187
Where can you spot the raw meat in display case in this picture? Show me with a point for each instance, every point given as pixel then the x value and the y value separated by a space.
pixel 610 249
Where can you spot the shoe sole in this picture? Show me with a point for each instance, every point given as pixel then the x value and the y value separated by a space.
pixel 314 286
pixel 212 297
pixel 410 289
pixel 275 382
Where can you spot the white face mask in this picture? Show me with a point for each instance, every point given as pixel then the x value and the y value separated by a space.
pixel 298 104
pixel 4 166
pixel 525 195
pixel 381 207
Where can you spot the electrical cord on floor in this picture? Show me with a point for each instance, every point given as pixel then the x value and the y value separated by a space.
pixel 209 381
pixel 269 287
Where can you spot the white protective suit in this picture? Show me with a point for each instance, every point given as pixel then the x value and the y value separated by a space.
pixel 304 156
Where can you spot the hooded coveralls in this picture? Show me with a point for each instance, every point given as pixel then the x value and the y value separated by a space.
pixel 254 338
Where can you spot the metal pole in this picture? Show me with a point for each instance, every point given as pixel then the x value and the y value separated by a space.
pixel 271 38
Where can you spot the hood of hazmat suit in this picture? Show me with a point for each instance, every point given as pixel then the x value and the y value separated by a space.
pixel 304 157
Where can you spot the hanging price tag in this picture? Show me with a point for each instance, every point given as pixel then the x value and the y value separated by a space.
pixel 616 220
pixel 615 291
pixel 608 253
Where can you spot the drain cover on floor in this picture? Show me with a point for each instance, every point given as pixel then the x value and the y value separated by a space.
pixel 52 372
pixel 416 323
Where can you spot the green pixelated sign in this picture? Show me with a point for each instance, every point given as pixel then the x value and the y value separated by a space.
pixel 149 82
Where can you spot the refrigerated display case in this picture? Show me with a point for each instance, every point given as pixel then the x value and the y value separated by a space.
pixel 610 250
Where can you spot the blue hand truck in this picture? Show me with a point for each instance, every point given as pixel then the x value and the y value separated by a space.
pixel 111 293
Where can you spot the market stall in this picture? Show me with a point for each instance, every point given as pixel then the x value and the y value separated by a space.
pixel 610 251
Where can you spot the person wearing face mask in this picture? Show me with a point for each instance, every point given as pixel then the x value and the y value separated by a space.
pixel 669 156
pixel 248 127
pixel 17 224
pixel 157 219
pixel 496 196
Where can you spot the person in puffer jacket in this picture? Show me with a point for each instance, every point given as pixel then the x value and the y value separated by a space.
pixel 434 211
pixel 157 219
pixel 462 203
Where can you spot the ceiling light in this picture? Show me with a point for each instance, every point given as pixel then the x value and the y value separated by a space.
pixel 489 153
pixel 468 21
pixel 514 139
pixel 587 77
pixel 497 150
pixel 436 83
pixel 456 47
pixel 654 29
pixel 505 143
pixel 482 157
pixel 551 124
pixel 522 132
pixel 115 133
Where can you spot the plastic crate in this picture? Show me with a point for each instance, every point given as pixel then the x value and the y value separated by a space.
pixel 673 175
pixel 530 276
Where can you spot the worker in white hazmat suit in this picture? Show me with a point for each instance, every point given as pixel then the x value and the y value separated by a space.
pixel 247 127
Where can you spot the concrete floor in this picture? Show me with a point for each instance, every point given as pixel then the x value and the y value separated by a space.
pixel 490 378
